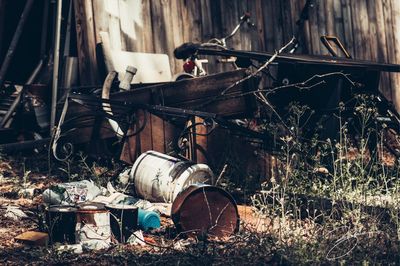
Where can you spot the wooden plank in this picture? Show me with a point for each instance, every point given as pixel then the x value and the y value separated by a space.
pixel 314 32
pixel 330 18
pixel 245 31
pixel 348 27
pixel 365 30
pixel 305 35
pixel 136 25
pixel 278 20
pixel 287 28
pixel 101 19
pixel 201 141
pixel 389 34
pixel 322 30
pixel 170 136
pixel 372 19
pixel 396 41
pixel 157 133
pixel 33 238
pixel 163 139
pixel 382 53
pixel 111 10
pixel 338 22
pixel 130 147
pixel 130 24
pixel 177 35
pixel 360 30
pixel 162 38
pixel 146 141
pixel 86 42
pixel 259 22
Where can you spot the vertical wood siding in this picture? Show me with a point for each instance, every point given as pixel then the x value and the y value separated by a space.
pixel 368 28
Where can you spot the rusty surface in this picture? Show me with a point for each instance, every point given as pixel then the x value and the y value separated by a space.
pixel 86 212
pixel 205 210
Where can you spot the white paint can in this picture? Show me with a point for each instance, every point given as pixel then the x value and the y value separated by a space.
pixel 159 177
pixel 93 229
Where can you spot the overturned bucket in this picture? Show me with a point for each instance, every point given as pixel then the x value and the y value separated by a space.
pixel 160 178
pixel 205 210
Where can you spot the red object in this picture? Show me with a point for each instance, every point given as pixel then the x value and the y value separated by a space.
pixel 188 66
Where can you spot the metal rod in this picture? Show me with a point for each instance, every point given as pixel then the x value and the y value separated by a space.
pixel 14 41
pixel 56 66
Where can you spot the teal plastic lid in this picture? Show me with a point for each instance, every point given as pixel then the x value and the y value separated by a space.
pixel 148 220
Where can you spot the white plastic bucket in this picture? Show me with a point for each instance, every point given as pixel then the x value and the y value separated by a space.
pixel 159 177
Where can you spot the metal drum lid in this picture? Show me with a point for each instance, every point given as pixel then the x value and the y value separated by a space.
pixel 91 207
pixel 204 209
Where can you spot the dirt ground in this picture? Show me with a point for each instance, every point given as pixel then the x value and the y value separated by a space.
pixel 162 247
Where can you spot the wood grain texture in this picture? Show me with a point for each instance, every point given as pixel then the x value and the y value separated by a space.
pixel 365 27
pixel 86 42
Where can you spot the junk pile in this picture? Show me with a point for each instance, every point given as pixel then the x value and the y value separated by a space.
pixel 91 217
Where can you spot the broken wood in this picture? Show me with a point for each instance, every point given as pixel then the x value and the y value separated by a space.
pixel 33 238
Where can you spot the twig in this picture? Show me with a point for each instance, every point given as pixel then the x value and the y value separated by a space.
pixel 221 174
pixel 264 66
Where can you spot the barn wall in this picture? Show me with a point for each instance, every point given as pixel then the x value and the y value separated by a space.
pixel 368 28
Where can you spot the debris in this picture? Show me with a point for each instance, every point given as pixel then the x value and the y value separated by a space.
pixel 159 177
pixel 181 244
pixel 137 238
pixel 75 248
pixel 15 213
pixel 93 226
pixel 27 192
pixel 205 210
pixel 33 238
pixel 73 192
pixel 148 220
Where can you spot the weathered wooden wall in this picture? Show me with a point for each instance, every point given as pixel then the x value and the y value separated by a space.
pixel 368 28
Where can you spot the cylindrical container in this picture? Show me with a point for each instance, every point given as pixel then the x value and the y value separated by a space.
pixel 205 210
pixel 93 226
pixel 159 177
pixel 61 222
pixel 39 95
pixel 123 220
pixel 148 220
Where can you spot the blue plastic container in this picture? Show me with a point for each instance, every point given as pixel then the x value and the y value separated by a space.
pixel 148 220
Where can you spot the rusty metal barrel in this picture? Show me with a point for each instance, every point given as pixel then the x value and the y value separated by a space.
pixel 205 210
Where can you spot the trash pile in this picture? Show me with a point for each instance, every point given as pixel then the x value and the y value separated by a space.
pixel 85 216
